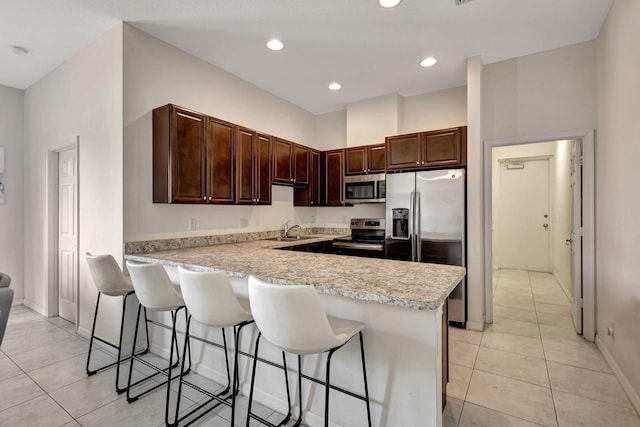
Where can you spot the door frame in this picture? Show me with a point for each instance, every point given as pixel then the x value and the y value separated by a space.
pixel 52 166
pixel 586 136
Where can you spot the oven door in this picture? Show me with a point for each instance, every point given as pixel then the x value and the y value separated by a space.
pixel 365 249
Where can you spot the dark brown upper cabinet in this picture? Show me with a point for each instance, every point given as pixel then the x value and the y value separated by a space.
pixel 193 157
pixel 220 161
pixel 365 159
pixel 253 168
pixel 438 148
pixel 290 162
pixel 333 177
pixel 311 195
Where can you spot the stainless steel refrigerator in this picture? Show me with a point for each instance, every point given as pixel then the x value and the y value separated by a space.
pixel 426 222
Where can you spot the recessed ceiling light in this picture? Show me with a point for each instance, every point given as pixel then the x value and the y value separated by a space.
pixel 19 50
pixel 275 44
pixel 389 3
pixel 335 86
pixel 428 62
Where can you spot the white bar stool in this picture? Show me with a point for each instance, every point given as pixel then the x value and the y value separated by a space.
pixel 292 318
pixel 156 292
pixel 211 301
pixel 109 280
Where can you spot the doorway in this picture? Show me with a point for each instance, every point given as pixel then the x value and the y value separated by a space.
pixel 67 252
pixel 63 231
pixel 567 221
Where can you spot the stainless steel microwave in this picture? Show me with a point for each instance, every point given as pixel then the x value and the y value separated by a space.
pixel 365 188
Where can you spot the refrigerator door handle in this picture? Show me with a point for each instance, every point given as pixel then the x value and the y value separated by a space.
pixel 417 227
pixel 412 198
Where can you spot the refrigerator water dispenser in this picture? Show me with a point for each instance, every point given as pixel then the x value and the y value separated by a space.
pixel 400 223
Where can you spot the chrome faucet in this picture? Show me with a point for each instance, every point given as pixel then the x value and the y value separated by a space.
pixel 287 229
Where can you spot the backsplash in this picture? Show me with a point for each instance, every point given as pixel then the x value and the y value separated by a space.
pixel 149 246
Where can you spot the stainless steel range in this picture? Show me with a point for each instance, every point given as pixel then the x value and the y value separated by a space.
pixel 367 238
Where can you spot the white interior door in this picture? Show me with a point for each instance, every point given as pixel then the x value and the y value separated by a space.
pixel 525 216
pixel 67 234
pixel 576 235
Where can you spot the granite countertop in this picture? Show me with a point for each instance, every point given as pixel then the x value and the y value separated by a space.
pixel 406 284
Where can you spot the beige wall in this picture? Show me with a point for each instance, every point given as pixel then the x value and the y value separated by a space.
pixel 617 183
pixel 82 98
pixel 12 211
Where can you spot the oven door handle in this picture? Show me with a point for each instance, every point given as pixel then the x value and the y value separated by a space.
pixel 361 246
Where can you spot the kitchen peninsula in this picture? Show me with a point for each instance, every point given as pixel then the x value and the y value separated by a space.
pixel 401 304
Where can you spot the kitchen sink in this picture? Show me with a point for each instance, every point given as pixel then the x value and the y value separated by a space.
pixel 292 239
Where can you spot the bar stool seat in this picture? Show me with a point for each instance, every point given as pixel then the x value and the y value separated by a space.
pixel 110 281
pixel 156 292
pixel 292 318
pixel 211 301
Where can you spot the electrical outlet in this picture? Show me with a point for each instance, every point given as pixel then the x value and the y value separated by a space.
pixel 244 222
pixel 611 329
pixel 344 219
pixel 313 219
pixel 192 224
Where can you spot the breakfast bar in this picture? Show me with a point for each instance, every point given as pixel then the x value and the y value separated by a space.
pixel 401 304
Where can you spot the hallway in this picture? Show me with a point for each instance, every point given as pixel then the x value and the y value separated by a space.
pixel 529 367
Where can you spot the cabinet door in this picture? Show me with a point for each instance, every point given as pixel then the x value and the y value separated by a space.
pixel 282 153
pixel 300 164
pixel 356 161
pixel 442 148
pixel 334 176
pixel 263 170
pixel 377 159
pixel 220 161
pixel 178 155
pixel 245 192
pixel 404 151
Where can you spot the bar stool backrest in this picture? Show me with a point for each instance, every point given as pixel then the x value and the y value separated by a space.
pixel 154 288
pixel 107 275
pixel 210 298
pixel 291 317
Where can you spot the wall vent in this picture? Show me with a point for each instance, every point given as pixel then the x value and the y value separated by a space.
pixel 459 2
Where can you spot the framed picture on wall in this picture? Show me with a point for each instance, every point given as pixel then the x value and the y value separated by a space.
pixel 1 174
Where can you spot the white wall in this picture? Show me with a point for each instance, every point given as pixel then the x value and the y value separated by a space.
pixel 83 97
pixel 155 74
pixel 371 120
pixel 541 93
pixel 12 212
pixel 437 110
pixel 617 183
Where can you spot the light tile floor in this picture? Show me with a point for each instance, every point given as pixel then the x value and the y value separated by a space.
pixel 43 383
pixel 530 368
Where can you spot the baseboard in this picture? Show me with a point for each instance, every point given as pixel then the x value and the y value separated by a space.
pixel 626 385
pixel 84 333
pixel 269 400
pixel 17 301
pixel 564 287
pixel 33 306
pixel 474 326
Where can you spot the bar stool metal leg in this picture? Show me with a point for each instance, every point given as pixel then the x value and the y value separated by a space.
pixel 253 380
pixel 364 375
pixel 117 347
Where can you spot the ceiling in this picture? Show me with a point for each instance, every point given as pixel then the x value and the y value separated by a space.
pixel 369 50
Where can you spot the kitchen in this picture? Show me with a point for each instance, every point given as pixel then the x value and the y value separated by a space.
pixel 152 85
